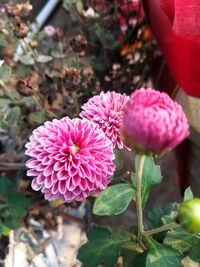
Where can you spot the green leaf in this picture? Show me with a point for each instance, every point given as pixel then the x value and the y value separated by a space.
pixel 44 58
pixel 14 114
pixel 161 255
pixel 4 103
pixel 6 186
pixel 119 162
pixel 67 4
pixel 188 194
pixel 37 117
pixel 23 70
pixel 156 215
pixel 18 204
pixel 114 200
pixel 79 6
pixel 184 241
pixel 97 63
pixel 129 233
pixel 12 222
pixel 133 258
pixel 98 233
pixel 101 247
pixel 57 54
pixel 4 230
pixel 151 177
pixel 5 73
pixel 27 59
pixel 13 207
pixel 179 239
pixel 160 216
pixel 194 253
pixel 3 42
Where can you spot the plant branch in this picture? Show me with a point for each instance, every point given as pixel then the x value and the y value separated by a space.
pixel 52 114
pixel 161 229
pixel 76 104
pixel 7 92
pixel 139 168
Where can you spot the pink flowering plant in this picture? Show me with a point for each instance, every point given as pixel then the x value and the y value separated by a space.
pixel 72 159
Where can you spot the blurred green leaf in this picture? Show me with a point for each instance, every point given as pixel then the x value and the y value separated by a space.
pixel 5 73
pixel 14 114
pixel 23 70
pixel 179 239
pixel 161 255
pixel 161 216
pixel 188 194
pixel 101 247
pixel 27 59
pixel 133 258
pixel 37 117
pixel 194 253
pixel 6 186
pixel 4 230
pixel 3 42
pixel 57 54
pixel 119 162
pixel 79 6
pixel 13 206
pixel 44 58
pixel 97 63
pixel 4 103
pixel 155 216
pixel 67 4
pixel 114 200
pixel 12 222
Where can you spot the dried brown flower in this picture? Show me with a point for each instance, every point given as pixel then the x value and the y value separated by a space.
pixel 71 78
pixel 78 43
pixel 58 35
pixel 20 29
pixel 20 10
pixel 25 87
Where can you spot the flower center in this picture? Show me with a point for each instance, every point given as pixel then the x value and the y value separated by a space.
pixel 74 149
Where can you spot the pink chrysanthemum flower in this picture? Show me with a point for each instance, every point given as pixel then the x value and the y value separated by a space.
pixel 70 159
pixel 152 121
pixel 106 110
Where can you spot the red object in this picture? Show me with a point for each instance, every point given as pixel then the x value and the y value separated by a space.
pixel 176 26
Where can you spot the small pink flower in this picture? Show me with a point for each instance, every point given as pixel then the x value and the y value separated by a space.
pixel 49 30
pixel 70 159
pixel 152 121
pixel 106 110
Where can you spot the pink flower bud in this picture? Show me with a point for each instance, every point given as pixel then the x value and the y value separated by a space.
pixel 153 122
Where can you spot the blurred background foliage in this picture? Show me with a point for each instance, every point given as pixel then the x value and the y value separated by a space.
pixel 84 47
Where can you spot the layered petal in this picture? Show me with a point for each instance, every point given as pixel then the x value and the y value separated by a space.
pixel 153 122
pixel 70 159
pixel 106 110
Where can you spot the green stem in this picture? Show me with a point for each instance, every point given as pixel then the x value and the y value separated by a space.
pixel 139 168
pixel 161 229
pixel 30 49
pixel 7 92
pixel 52 114
pixel 76 104
pixel 33 53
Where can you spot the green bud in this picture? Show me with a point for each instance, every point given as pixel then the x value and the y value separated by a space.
pixel 189 215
